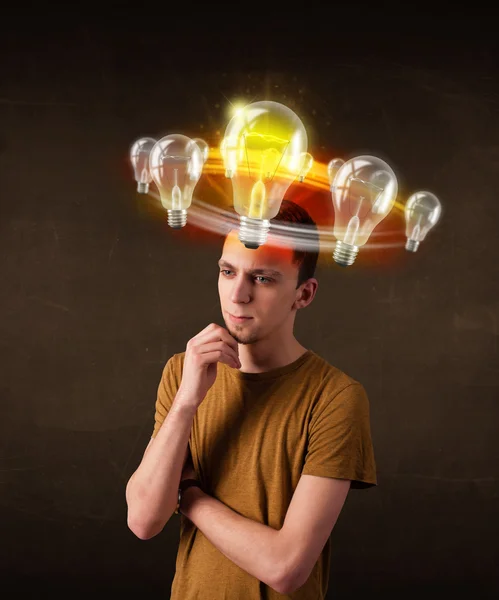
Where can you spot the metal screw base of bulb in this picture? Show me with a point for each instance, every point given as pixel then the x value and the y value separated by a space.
pixel 142 188
pixel 177 218
pixel 412 245
pixel 345 254
pixel 253 232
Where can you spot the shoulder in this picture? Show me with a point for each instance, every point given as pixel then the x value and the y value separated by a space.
pixel 174 366
pixel 176 360
pixel 333 378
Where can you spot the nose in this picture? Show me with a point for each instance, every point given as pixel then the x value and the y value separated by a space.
pixel 240 290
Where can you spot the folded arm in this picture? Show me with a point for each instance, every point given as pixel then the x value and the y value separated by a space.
pixel 281 558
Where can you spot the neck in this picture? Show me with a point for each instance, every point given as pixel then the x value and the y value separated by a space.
pixel 259 358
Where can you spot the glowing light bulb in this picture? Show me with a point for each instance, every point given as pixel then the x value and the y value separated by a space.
pixel 262 150
pixel 203 146
pixel 139 157
pixel 307 162
pixel 332 168
pixel 364 192
pixel 422 211
pixel 176 164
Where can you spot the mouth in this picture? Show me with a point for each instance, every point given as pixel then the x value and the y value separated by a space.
pixel 239 319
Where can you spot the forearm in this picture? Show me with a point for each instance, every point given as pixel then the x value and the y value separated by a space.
pixel 252 546
pixel 151 493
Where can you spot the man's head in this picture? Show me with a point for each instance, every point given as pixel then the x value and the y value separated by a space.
pixel 268 284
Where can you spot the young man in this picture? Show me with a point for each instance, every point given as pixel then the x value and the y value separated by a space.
pixel 274 434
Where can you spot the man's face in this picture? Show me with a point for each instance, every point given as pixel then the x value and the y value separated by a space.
pixel 266 296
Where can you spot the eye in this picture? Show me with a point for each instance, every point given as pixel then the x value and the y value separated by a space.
pixel 258 276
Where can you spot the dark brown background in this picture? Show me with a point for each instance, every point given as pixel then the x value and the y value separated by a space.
pixel 97 292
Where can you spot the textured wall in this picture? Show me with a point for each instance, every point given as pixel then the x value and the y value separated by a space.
pixel 97 293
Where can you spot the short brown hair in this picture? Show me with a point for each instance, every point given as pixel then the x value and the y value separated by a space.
pixel 300 219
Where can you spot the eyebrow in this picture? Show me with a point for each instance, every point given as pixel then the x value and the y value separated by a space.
pixel 224 263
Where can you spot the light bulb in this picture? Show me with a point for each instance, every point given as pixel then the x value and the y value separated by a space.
pixel 262 151
pixel 139 157
pixel 231 154
pixel 203 146
pixel 176 164
pixel 332 168
pixel 307 162
pixel 422 211
pixel 364 192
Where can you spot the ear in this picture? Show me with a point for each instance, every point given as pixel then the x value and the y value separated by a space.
pixel 300 300
pixel 306 294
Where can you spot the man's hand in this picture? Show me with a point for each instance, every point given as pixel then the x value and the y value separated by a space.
pixel 210 346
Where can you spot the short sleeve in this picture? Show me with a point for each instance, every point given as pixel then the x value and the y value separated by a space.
pixel 339 439
pixel 167 390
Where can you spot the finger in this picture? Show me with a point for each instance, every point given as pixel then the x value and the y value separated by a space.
pixel 218 355
pixel 215 333
pixel 218 345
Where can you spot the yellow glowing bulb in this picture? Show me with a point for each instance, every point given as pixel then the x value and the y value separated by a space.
pixel 263 151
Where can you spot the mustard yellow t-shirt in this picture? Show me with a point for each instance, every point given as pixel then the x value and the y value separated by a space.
pixel 252 438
